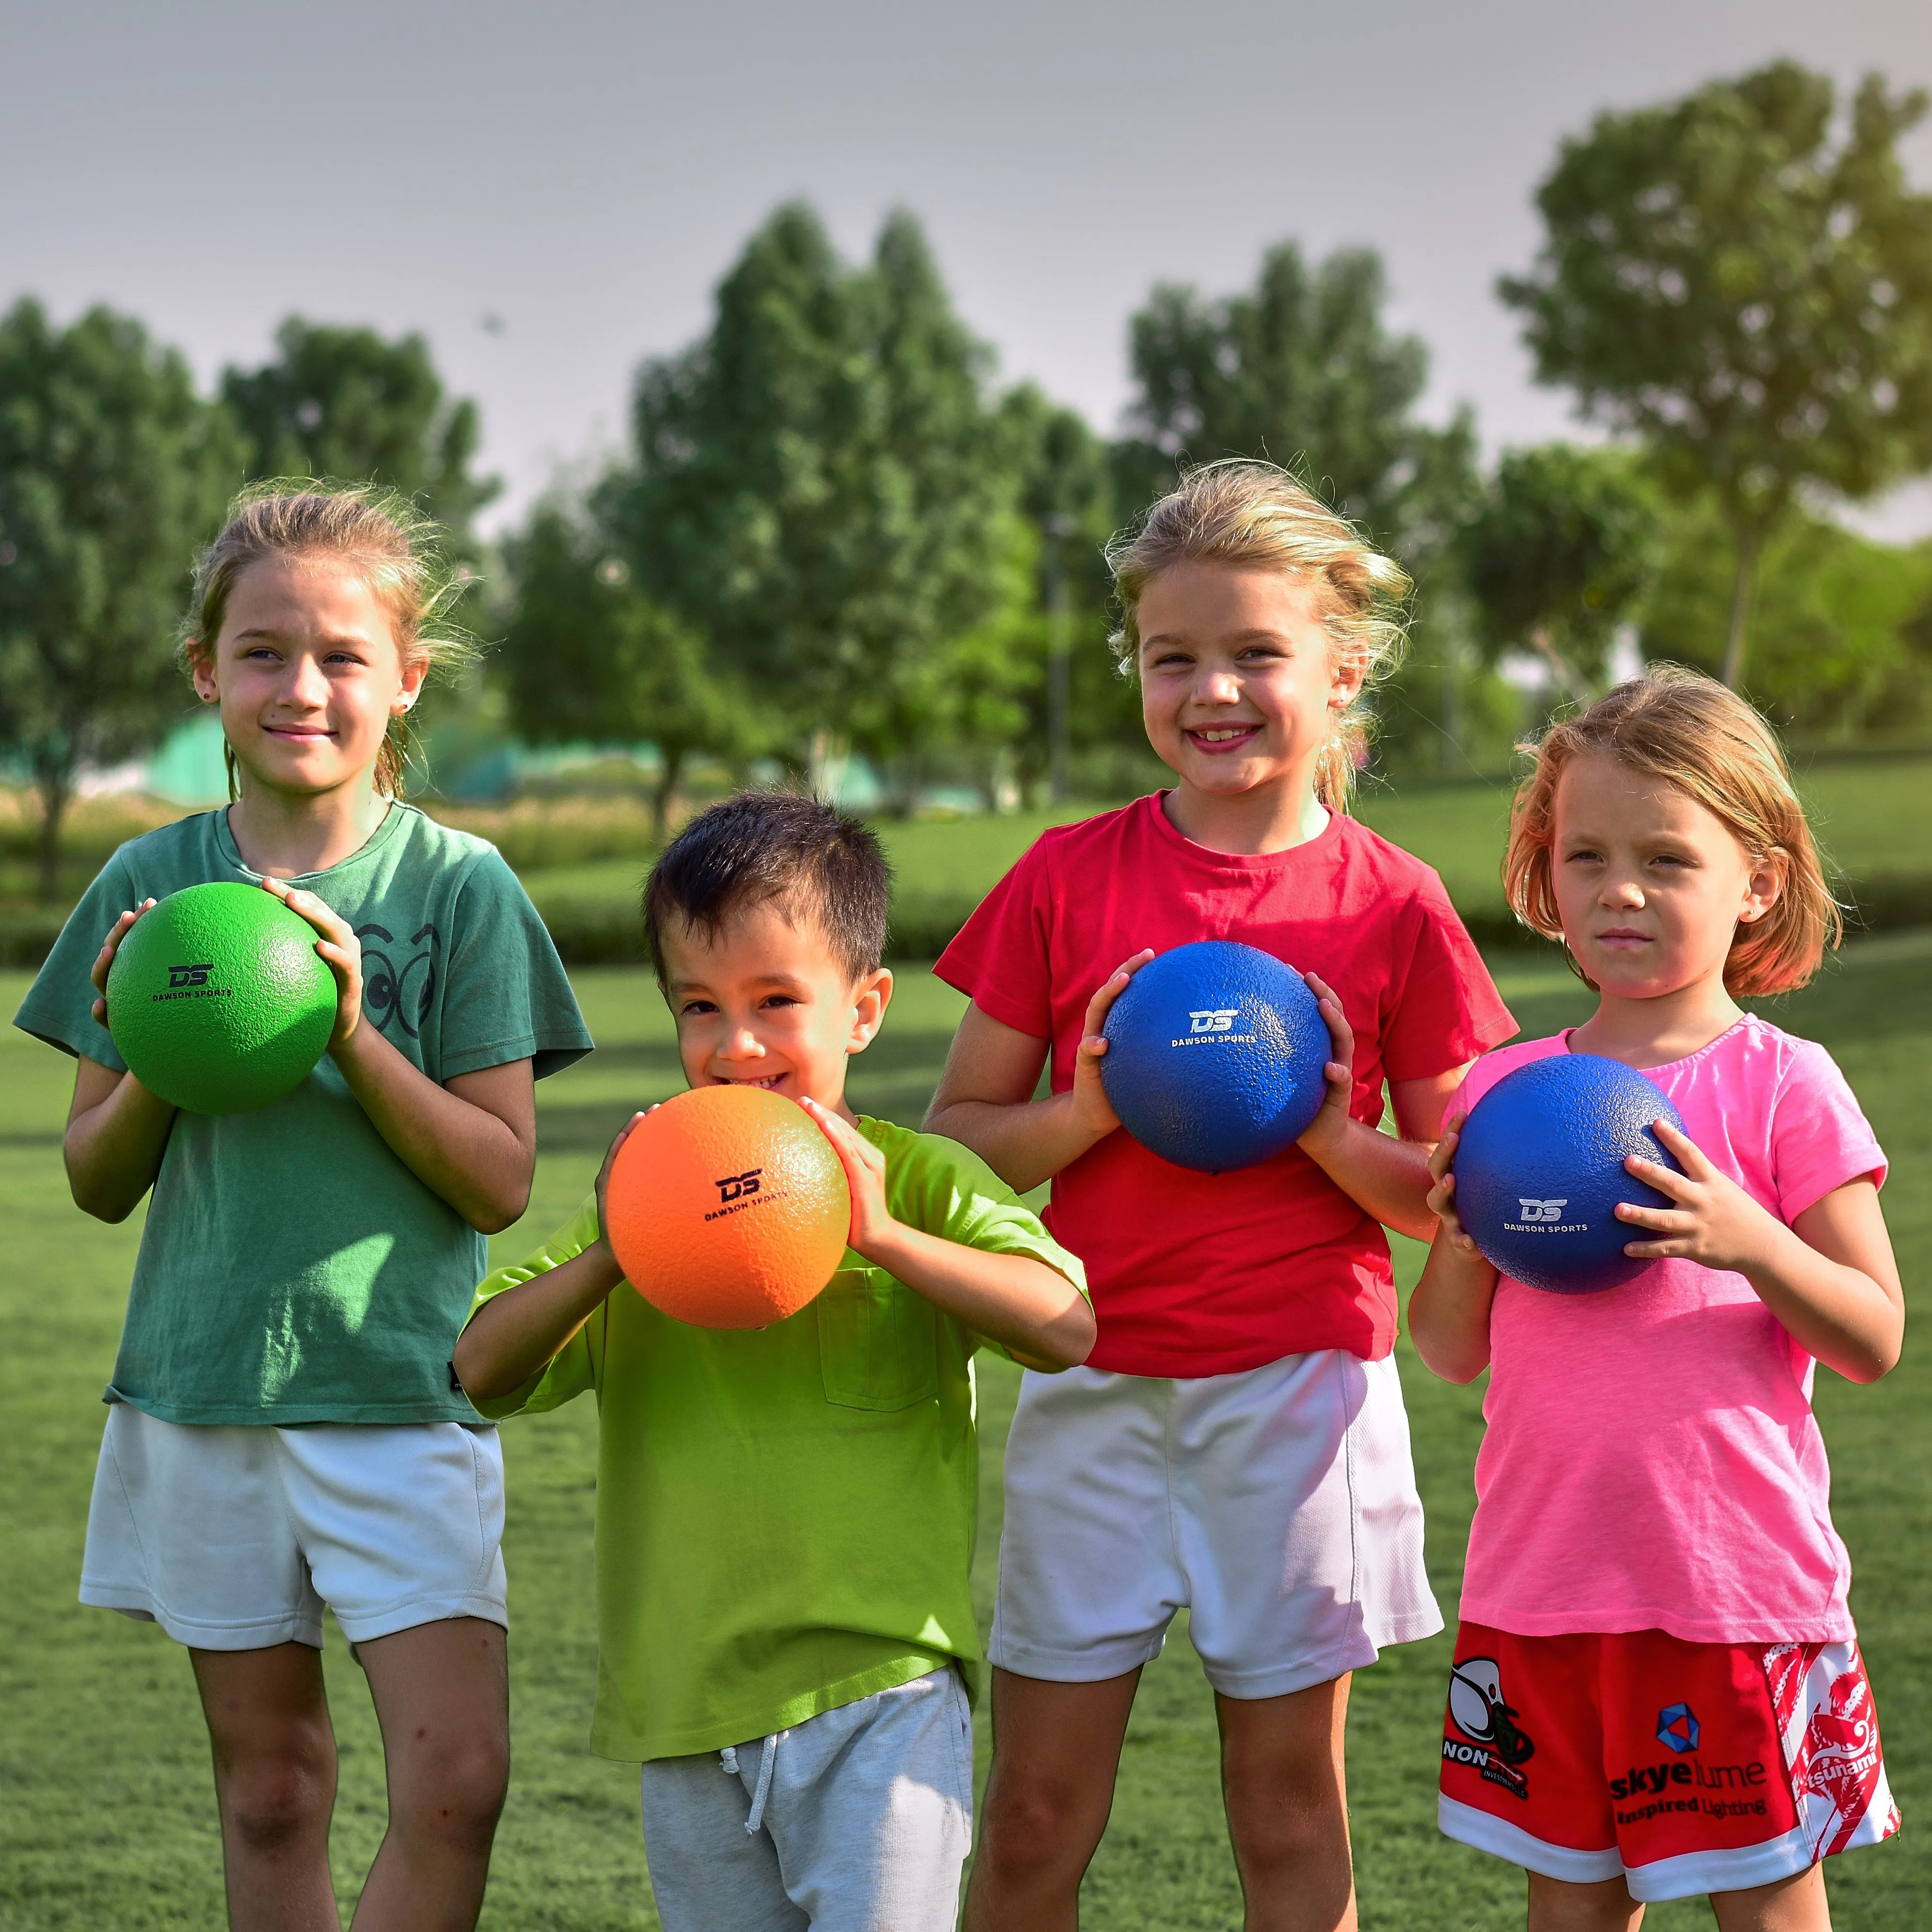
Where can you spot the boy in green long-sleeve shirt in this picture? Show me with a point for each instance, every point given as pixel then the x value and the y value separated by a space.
pixel 785 1516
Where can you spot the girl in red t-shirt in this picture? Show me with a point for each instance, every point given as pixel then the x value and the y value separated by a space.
pixel 1236 1445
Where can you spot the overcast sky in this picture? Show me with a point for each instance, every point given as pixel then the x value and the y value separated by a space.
pixel 585 171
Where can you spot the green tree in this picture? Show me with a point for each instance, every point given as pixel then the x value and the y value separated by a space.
pixel 111 470
pixel 587 656
pixel 1748 288
pixel 1838 643
pixel 1077 707
pixel 1557 554
pixel 1302 371
pixel 344 403
pixel 819 488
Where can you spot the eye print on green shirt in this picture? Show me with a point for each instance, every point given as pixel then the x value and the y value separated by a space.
pixel 399 977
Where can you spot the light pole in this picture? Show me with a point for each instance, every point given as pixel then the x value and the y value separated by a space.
pixel 1058 527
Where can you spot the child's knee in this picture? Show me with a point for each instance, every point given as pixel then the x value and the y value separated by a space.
pixel 1556 1905
pixel 455 1794
pixel 1291 1827
pixel 275 1799
pixel 1034 1827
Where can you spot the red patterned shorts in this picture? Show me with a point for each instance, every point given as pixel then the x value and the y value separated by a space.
pixel 1682 1767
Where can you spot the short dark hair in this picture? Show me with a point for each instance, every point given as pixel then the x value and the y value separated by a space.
pixel 765 846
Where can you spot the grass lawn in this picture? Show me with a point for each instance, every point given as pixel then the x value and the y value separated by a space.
pixel 1872 815
pixel 106 1813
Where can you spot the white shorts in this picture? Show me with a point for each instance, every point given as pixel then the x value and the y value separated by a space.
pixel 858 1818
pixel 232 1538
pixel 1278 1506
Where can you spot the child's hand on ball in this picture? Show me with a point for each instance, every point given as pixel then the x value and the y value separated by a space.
pixel 1714 1222
pixel 341 950
pixel 1332 1120
pixel 104 960
pixel 1091 1108
pixel 604 1172
pixel 1441 1199
pixel 872 1226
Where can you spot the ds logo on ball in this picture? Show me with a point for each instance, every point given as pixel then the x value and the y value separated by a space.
pixel 1541 1210
pixel 1214 1019
pixel 730 1185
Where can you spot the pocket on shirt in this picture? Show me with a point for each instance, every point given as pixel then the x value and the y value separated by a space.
pixel 878 1342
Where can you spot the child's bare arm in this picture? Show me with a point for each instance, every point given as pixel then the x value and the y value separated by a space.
pixel 1449 1312
pixel 518 1334
pixel 1831 1277
pixel 471 1142
pixel 1383 1176
pixel 117 1129
pixel 1031 1310
pixel 985 1097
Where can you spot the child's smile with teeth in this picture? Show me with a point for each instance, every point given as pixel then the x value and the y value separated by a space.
pixel 1240 685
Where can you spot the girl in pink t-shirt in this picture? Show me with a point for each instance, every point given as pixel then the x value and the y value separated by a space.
pixel 1657 1691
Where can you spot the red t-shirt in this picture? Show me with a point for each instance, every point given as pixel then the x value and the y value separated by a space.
pixel 1199 1274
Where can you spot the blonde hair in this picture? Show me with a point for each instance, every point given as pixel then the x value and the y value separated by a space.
pixel 397 548
pixel 1687 730
pixel 1256 516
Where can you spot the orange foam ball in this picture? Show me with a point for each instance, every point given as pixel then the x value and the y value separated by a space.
pixel 727 1208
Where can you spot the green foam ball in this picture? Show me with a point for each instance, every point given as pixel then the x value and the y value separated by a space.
pixel 217 1000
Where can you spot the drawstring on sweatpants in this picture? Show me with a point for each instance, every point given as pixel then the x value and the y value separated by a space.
pixel 728 1762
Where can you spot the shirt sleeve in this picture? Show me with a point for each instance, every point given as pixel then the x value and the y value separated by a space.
pixel 577 1365
pixel 1820 1139
pixel 1446 1008
pixel 999 959
pixel 508 997
pixel 942 1188
pixel 59 1005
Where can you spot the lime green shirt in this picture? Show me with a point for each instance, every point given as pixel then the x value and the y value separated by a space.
pixel 291 1269
pixel 785 1516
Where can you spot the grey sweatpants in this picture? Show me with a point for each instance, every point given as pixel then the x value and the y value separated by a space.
pixel 857 1820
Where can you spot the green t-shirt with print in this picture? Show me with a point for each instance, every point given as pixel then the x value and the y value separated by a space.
pixel 785 1516
pixel 291 1269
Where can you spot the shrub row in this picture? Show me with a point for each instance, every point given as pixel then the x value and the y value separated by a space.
pixel 603 932
pixel 606 932
pixel 536 834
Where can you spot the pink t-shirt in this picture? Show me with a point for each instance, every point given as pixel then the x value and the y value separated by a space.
pixel 1652 1462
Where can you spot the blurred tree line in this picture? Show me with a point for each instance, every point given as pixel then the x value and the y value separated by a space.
pixel 113 469
pixel 831 531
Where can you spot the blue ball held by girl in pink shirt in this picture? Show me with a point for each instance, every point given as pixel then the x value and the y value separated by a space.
pixel 1540 1170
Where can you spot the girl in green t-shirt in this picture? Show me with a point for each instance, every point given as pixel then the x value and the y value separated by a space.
pixel 283 1429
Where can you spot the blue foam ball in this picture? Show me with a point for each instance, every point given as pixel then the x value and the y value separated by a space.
pixel 1539 1170
pixel 1214 1054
